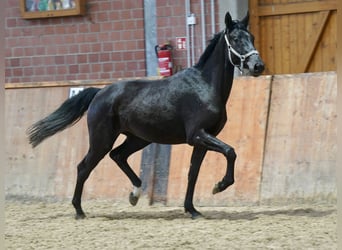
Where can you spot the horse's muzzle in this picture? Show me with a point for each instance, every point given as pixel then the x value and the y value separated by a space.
pixel 258 68
pixel 255 65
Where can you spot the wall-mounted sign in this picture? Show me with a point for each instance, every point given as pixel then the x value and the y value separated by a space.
pixel 75 91
pixel 180 43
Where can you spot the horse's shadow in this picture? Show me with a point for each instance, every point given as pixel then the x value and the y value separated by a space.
pixel 212 214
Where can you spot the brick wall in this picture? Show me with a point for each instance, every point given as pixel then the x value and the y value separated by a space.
pixel 106 43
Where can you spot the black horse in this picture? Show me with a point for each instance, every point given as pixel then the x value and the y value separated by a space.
pixel 188 107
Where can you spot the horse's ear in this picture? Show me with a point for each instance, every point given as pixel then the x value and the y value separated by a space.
pixel 245 20
pixel 228 21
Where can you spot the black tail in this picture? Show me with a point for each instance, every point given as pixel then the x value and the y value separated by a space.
pixel 66 115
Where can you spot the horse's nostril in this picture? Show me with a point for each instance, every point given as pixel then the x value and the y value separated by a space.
pixel 259 67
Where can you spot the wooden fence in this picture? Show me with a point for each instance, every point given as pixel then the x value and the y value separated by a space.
pixel 283 128
pixel 295 36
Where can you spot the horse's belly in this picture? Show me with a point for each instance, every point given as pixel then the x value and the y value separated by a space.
pixel 156 128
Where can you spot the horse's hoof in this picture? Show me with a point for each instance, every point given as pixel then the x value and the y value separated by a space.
pixel 216 189
pixel 133 199
pixel 80 216
pixel 196 215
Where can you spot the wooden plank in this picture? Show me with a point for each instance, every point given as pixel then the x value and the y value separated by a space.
pixel 300 7
pixel 277 44
pixel 73 83
pixel 325 55
pixel 301 142
pixel 254 22
pixel 312 42
pixel 294 42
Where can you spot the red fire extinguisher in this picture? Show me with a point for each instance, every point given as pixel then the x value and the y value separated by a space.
pixel 164 55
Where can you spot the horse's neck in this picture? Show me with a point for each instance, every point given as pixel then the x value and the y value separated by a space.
pixel 217 73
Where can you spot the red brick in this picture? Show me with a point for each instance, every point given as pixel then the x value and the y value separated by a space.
pixel 107 46
pixel 128 56
pixel 70 77
pixel 141 65
pixel 84 68
pixel 62 50
pixel 120 66
pixel 107 67
pixel 130 25
pixel 93 58
pixel 117 56
pixel 73 69
pixel 117 74
pixel 39 71
pixel 39 51
pixel 28 71
pixel 140 44
pixel 93 76
pixel 129 74
pixel 102 17
pixel 83 28
pixel 104 6
pixel 132 4
pixel 120 46
pixel 105 75
pixel 62 70
pixel 96 47
pixel 117 5
pixel 74 49
pixel 138 13
pixel 58 78
pixel 51 70
pixel 71 59
pixel 125 14
pixel 118 25
pixel 132 66
pixel 11 22
pixel 8 72
pixel 103 36
pixel 96 67
pixel 126 35
pixel 50 50
pixel 140 73
pixel 82 58
pixel 85 48
pixel 139 55
pixel 15 62
pixel 25 61
pixel 37 61
pixel 17 52
pixel 95 27
pixel 104 57
pixel 138 34
pixel 70 29
pixel 131 45
pixel 106 26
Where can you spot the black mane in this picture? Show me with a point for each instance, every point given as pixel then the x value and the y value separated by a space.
pixel 208 51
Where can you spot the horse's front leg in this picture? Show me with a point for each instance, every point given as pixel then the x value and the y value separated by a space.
pixel 198 154
pixel 214 144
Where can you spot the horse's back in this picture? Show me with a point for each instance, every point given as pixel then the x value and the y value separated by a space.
pixel 157 110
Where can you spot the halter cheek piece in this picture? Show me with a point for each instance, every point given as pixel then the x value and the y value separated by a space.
pixel 242 57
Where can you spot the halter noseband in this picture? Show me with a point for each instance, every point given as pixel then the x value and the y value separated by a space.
pixel 242 57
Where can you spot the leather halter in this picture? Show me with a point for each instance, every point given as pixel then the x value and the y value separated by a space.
pixel 242 57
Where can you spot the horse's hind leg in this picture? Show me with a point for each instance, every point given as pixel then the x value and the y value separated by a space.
pixel 99 147
pixel 120 155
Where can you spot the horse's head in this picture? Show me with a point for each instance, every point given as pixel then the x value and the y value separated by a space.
pixel 240 44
